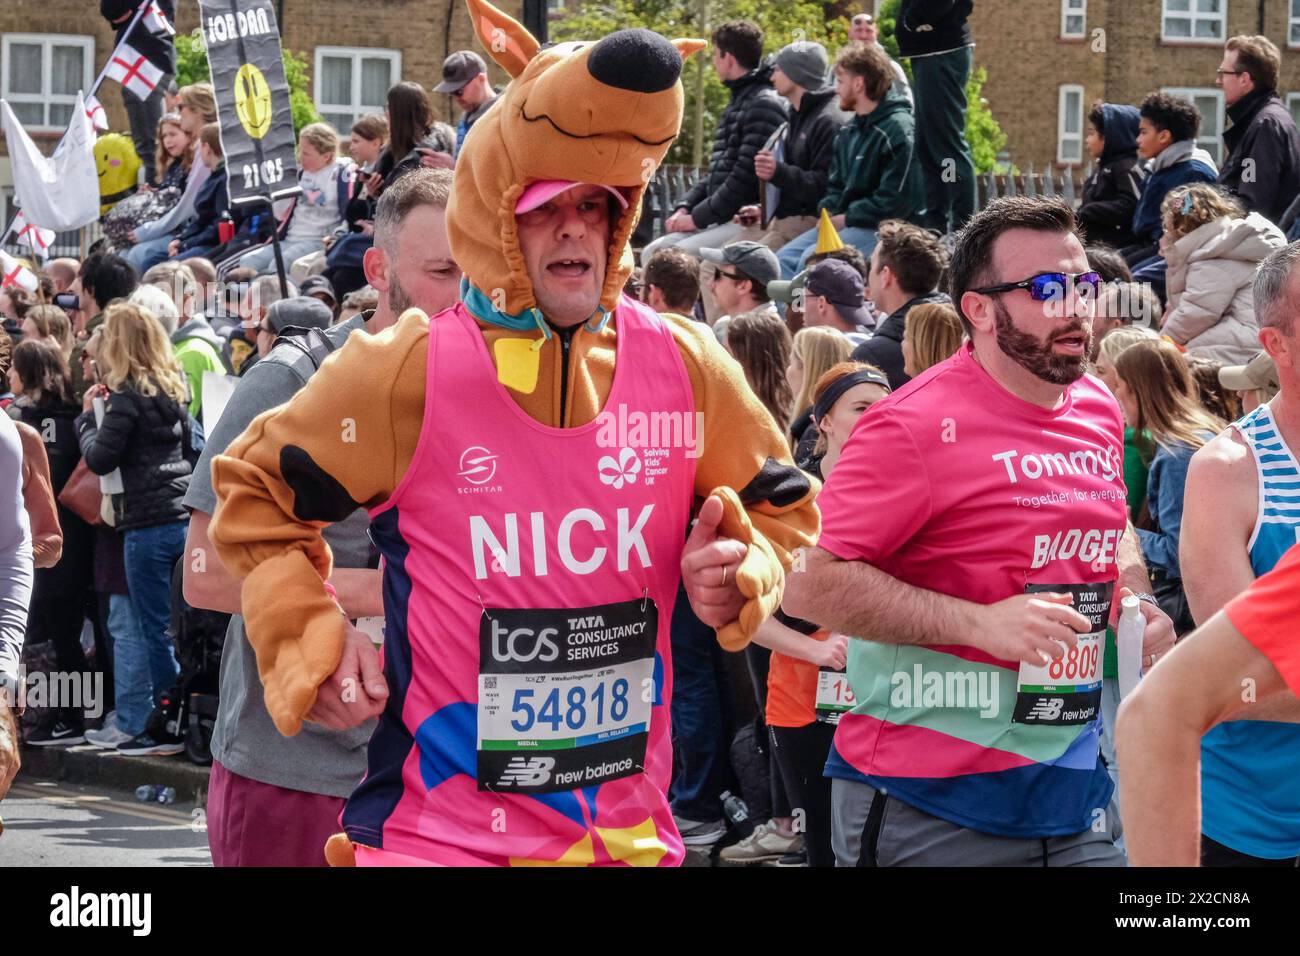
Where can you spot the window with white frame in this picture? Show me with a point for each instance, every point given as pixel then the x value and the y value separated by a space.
pixel 1069 125
pixel 42 73
pixel 1193 21
pixel 1293 105
pixel 1210 102
pixel 1293 25
pixel 353 81
pixel 1074 16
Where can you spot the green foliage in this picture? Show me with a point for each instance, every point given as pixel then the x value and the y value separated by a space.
pixel 982 130
pixel 192 67
pixel 782 22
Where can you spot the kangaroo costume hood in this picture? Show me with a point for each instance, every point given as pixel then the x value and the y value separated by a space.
pixel 603 113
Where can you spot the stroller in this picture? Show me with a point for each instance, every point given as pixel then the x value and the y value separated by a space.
pixel 189 710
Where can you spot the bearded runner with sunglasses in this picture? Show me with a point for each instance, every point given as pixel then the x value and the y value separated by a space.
pixel 981 578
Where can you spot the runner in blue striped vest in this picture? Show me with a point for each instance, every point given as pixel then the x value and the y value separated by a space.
pixel 1242 513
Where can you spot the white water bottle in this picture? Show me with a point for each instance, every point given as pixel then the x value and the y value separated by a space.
pixel 1128 643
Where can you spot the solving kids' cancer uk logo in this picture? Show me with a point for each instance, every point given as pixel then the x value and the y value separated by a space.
pixel 620 472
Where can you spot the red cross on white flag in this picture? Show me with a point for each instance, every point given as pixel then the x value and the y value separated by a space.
pixel 37 239
pixel 14 273
pixel 95 111
pixel 155 21
pixel 133 70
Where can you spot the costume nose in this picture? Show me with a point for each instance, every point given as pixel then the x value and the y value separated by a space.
pixel 638 60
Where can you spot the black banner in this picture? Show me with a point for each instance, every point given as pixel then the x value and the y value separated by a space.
pixel 243 44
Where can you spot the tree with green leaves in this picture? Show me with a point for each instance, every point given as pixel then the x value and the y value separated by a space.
pixel 782 23
pixel 192 67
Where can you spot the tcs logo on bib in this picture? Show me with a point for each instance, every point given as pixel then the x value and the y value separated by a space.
pixel 523 644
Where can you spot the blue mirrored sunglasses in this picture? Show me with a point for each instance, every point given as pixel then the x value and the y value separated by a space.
pixel 1050 286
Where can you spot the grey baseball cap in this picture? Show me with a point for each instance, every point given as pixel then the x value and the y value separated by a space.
pixel 316 285
pixel 458 69
pixel 300 312
pixel 750 258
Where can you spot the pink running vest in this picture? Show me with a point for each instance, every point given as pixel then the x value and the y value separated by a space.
pixel 529 580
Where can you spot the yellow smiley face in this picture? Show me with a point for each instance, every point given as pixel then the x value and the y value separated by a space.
pixel 253 101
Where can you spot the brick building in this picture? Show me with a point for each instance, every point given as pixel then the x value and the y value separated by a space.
pixel 1049 60
pixel 51 48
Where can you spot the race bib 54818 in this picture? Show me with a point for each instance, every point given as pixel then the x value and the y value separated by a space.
pixel 564 695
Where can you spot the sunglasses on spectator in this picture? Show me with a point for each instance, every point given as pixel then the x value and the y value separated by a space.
pixel 733 276
pixel 1229 72
pixel 1049 286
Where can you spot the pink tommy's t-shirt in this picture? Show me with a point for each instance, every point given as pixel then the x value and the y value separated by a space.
pixel 955 485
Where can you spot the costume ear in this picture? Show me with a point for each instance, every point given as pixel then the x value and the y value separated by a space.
pixel 688 46
pixel 505 38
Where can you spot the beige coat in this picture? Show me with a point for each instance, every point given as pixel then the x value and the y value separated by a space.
pixel 1211 308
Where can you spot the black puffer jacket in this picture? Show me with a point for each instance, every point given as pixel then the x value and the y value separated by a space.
pixel 809 147
pixel 885 347
pixel 754 113
pixel 143 436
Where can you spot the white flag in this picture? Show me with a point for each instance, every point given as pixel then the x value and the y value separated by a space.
pixel 14 273
pixel 61 192
pixel 155 21
pixel 133 70
pixel 95 112
pixel 37 239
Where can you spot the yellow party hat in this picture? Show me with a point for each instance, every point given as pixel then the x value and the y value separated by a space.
pixel 828 240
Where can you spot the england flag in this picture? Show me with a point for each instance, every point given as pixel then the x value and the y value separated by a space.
pixel 14 274
pixel 133 70
pixel 37 239
pixel 155 21
pixel 96 114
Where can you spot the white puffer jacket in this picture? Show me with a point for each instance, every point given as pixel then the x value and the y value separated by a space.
pixel 1211 309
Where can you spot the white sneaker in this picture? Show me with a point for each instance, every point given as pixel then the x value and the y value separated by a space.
pixel 108 736
pixel 765 843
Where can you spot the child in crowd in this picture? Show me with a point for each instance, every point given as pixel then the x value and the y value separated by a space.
pixel 200 234
pixel 327 185
pixel 1212 249
pixel 1110 196
pixel 1166 139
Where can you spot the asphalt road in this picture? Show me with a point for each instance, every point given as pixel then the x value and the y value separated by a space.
pixel 61 824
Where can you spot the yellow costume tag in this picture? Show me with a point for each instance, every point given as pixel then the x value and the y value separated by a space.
pixel 517 364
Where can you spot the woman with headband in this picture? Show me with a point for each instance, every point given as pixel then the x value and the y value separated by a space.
pixel 807 689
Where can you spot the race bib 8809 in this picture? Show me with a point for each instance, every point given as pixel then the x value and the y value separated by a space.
pixel 1068 690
